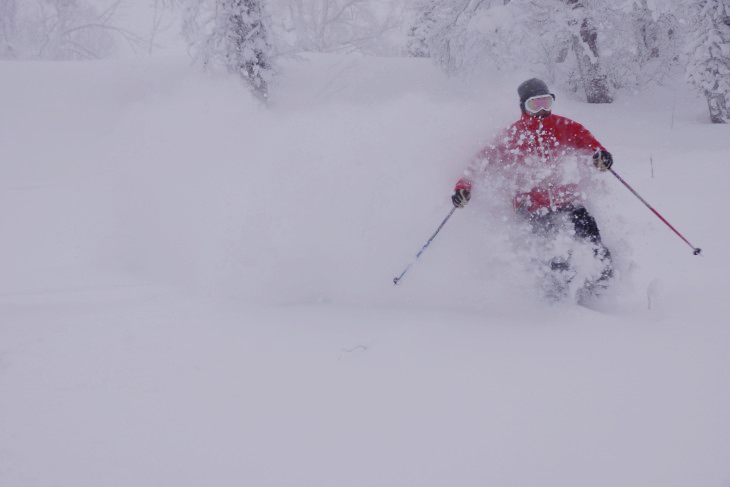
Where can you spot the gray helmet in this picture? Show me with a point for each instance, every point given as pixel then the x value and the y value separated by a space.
pixel 532 87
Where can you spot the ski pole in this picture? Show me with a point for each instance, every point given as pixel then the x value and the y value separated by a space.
pixel 695 250
pixel 396 280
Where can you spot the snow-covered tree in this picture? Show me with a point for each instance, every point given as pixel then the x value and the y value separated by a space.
pixel 366 26
pixel 590 47
pixel 644 41
pixel 73 29
pixel 585 46
pixel 709 64
pixel 463 35
pixel 533 35
pixel 419 31
pixel 61 29
pixel 232 34
pixel 7 28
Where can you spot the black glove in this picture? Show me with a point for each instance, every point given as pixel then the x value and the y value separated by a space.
pixel 603 160
pixel 461 197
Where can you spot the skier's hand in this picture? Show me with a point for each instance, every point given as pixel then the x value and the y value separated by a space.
pixel 603 160
pixel 461 197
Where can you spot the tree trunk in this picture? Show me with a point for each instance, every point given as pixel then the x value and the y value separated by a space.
pixel 718 107
pixel 585 46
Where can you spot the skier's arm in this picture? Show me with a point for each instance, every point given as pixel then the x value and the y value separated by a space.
pixel 491 157
pixel 474 171
pixel 581 138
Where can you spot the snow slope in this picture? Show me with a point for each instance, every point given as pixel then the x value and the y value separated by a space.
pixel 197 291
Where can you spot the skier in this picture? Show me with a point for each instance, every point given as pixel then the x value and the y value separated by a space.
pixel 534 156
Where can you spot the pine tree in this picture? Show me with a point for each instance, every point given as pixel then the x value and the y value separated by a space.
pixel 231 34
pixel 246 43
pixel 709 64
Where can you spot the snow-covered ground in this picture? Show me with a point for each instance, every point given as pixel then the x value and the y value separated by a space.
pixel 196 291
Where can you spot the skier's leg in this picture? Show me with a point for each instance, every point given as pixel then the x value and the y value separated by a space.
pixel 547 226
pixel 552 257
pixel 587 229
pixel 542 224
pixel 585 225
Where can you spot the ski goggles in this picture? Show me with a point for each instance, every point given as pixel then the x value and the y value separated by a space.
pixel 539 103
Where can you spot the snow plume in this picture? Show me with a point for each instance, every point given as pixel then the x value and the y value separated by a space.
pixel 213 193
pixel 528 245
pixel 325 197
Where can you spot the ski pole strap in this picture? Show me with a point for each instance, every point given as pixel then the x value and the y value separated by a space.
pixel 695 250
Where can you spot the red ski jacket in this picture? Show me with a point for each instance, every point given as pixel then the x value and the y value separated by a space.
pixel 533 155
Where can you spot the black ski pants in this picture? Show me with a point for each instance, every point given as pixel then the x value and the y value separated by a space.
pixel 584 224
pixel 585 229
